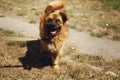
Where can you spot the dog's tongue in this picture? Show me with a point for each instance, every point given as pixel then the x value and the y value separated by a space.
pixel 53 32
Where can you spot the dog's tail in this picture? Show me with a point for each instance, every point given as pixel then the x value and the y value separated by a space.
pixel 58 4
pixel 55 5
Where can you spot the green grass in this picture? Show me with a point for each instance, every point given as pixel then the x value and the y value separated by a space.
pixel 21 13
pixel 5 32
pixel 9 33
pixel 32 21
pixel 1 15
pixel 115 4
pixel 21 44
pixel 98 33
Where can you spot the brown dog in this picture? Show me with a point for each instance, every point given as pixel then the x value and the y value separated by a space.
pixel 53 30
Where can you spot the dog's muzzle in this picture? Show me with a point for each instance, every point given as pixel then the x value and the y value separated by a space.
pixel 53 27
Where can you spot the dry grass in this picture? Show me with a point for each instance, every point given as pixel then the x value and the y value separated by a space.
pixel 72 66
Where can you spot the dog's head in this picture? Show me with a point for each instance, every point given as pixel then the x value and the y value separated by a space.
pixel 54 20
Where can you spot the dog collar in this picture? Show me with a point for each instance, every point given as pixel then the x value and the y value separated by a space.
pixel 47 38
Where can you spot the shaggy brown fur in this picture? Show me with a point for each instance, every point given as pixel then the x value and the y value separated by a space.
pixel 53 41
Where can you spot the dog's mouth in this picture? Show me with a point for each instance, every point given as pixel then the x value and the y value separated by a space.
pixel 53 32
pixel 50 35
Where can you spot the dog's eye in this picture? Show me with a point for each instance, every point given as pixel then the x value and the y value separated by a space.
pixel 58 21
pixel 49 20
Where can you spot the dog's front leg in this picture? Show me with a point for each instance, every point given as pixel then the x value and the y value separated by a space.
pixel 55 58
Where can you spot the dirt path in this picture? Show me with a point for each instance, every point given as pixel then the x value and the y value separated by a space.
pixel 83 42
pixel 95 46
pixel 18 25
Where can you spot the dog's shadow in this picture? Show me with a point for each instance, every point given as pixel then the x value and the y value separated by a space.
pixel 34 57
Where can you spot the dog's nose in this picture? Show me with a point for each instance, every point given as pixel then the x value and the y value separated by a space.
pixel 53 24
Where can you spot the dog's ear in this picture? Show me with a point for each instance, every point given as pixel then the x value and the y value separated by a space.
pixel 64 16
pixel 49 9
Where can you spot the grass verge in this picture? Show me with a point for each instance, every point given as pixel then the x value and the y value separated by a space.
pixel 9 33
pixel 18 43
pixel 4 32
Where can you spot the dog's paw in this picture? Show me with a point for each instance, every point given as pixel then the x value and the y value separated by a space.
pixel 56 67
